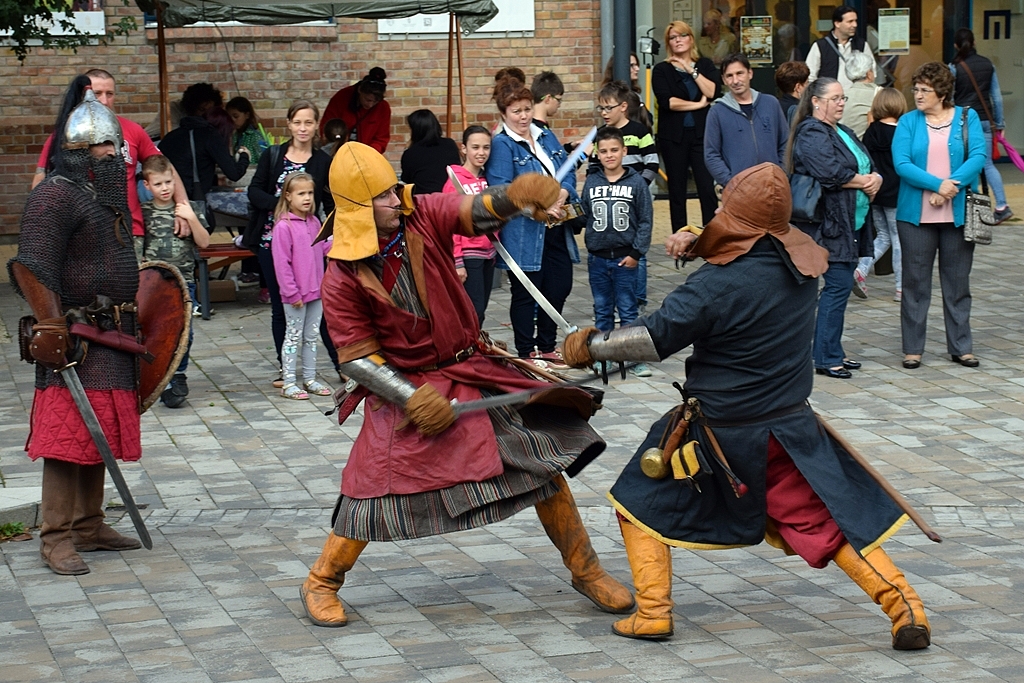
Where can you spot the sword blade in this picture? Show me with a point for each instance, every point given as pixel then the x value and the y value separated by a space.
pixel 517 271
pixel 512 398
pixel 92 423
pixel 532 288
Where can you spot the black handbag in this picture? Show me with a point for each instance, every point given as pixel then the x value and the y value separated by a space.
pixel 806 191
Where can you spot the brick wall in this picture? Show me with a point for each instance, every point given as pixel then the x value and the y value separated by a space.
pixel 273 66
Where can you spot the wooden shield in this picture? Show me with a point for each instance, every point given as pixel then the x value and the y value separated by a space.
pixel 165 317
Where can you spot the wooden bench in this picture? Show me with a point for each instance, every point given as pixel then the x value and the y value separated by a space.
pixel 211 258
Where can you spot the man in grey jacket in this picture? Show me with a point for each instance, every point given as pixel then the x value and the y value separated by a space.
pixel 744 128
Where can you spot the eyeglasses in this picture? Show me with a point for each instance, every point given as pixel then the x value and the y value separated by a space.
pixel 835 100
pixel 922 91
pixel 556 98
pixel 603 109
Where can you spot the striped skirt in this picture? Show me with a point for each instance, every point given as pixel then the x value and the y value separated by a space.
pixel 536 443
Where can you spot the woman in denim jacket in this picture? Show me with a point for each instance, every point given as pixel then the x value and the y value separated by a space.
pixel 545 253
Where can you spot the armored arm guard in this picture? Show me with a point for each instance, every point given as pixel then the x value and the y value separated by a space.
pixel 425 406
pixel 380 378
pixel 581 349
pixel 532 192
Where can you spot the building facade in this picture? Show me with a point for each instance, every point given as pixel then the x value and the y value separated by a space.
pixel 274 66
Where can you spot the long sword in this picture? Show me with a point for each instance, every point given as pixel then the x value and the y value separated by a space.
pixel 518 272
pixel 74 385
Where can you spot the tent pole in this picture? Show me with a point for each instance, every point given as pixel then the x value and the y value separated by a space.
pixel 462 81
pixel 451 49
pixel 161 48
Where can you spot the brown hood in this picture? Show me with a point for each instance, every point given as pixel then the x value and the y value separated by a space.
pixel 755 203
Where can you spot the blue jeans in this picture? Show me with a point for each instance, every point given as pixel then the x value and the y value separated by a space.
pixel 641 281
pixel 828 331
pixel 613 286
pixel 995 181
pixel 183 365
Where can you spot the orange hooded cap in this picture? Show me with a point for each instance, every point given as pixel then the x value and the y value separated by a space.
pixel 358 174
pixel 755 203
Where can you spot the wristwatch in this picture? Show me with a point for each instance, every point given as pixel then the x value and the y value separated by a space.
pixel 695 73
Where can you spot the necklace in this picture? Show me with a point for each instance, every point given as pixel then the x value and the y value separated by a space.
pixel 398 239
pixel 939 126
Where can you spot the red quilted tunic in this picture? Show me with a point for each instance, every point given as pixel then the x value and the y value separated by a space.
pixel 57 430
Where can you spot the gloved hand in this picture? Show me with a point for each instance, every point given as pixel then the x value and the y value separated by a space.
pixel 535 192
pixel 49 344
pixel 576 348
pixel 429 411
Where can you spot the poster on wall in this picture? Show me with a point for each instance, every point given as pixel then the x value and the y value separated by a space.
pixel 894 31
pixel 756 39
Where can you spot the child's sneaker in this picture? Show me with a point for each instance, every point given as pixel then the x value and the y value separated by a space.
pixel 264 296
pixel 860 285
pixel 641 370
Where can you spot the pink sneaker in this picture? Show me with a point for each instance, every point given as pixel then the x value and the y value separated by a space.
pixel 860 285
pixel 264 297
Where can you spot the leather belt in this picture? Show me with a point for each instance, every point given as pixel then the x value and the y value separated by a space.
pixel 459 357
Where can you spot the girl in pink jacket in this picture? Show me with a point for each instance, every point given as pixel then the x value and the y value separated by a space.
pixel 474 256
pixel 299 266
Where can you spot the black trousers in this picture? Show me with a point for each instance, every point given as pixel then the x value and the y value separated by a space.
pixel 679 157
pixel 479 280
pixel 554 280
pixel 266 258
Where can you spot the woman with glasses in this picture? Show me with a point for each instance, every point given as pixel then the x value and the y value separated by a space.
pixel 821 147
pixel 364 110
pixel 935 167
pixel 684 85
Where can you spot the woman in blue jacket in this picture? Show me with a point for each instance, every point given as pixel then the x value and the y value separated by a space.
pixel 935 168
pixel 545 253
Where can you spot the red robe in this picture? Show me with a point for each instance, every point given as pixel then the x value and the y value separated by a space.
pixel 363 319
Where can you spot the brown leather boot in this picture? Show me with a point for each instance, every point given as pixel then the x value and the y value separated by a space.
pixel 89 533
pixel 60 481
pixel 651 563
pixel 885 584
pixel 564 527
pixel 319 593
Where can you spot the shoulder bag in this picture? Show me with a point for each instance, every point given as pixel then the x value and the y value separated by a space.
pixel 806 191
pixel 978 218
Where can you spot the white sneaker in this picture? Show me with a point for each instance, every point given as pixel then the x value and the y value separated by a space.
pixel 641 370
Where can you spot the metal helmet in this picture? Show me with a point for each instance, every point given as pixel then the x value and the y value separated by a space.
pixel 91 123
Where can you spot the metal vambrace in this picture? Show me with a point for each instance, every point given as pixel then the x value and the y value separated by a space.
pixel 624 344
pixel 380 378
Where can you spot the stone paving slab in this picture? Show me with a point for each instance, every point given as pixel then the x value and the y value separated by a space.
pixel 240 485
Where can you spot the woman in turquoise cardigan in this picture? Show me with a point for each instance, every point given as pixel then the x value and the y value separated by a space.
pixel 935 168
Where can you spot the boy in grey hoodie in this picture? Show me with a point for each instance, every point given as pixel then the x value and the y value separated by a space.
pixel 744 128
pixel 617 202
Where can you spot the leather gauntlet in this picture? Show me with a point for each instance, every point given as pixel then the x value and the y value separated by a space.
pixel 530 192
pixel 429 411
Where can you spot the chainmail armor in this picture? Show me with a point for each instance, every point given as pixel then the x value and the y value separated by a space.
pixel 68 241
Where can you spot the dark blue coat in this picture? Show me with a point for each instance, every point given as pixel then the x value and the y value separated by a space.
pixel 751 323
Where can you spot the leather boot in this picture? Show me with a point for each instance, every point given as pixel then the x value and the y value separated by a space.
pixel 89 533
pixel 319 593
pixel 60 481
pixel 564 527
pixel 651 563
pixel 885 584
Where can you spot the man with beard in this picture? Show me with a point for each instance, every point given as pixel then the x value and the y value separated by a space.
pixel 771 471
pixel 406 331
pixel 75 244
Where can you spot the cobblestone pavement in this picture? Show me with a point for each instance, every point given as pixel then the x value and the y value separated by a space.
pixel 240 484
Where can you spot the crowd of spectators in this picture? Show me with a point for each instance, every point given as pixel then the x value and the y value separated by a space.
pixel 883 185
